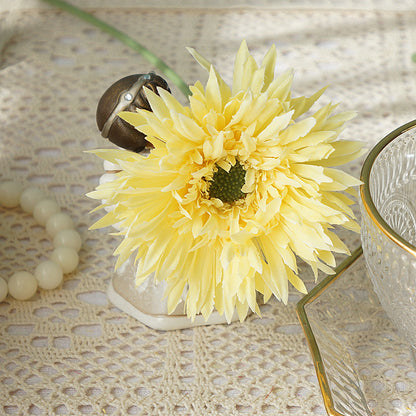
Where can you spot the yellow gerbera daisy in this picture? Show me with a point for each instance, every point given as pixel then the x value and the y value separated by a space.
pixel 236 187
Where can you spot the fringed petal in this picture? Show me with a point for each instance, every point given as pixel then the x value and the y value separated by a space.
pixel 219 254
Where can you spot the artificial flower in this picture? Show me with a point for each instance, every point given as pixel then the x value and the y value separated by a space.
pixel 240 184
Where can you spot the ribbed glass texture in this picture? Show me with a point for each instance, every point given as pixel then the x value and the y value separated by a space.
pixel 391 262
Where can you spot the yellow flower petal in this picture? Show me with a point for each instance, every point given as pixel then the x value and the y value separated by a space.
pixel 280 87
pixel 243 55
pixel 297 130
pixel 303 104
pixel 268 64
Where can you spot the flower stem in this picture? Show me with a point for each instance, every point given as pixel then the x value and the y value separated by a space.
pixel 127 40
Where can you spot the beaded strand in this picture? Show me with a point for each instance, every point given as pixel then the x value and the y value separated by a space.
pixel 67 242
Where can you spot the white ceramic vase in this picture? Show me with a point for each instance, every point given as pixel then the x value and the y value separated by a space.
pixel 147 302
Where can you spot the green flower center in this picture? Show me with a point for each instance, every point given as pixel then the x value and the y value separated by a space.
pixel 226 186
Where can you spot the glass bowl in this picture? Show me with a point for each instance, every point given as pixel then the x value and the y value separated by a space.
pixel 363 365
pixel 388 231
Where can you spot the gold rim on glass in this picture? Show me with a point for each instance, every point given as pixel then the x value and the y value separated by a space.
pixel 310 337
pixel 365 189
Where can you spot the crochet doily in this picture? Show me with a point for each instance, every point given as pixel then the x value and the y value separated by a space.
pixel 68 351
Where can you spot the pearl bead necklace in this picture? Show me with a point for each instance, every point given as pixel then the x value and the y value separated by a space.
pixel 64 259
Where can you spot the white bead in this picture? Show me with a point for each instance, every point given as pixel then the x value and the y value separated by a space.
pixel 49 275
pixel 68 238
pixel 58 222
pixel 22 285
pixel 3 289
pixel 29 198
pixel 10 192
pixel 44 209
pixel 66 257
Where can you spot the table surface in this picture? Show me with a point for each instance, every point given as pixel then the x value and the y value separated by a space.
pixel 68 351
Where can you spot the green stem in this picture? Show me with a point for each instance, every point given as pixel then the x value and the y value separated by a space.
pixel 127 40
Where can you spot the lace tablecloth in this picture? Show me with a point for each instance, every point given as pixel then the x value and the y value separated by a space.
pixel 68 351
